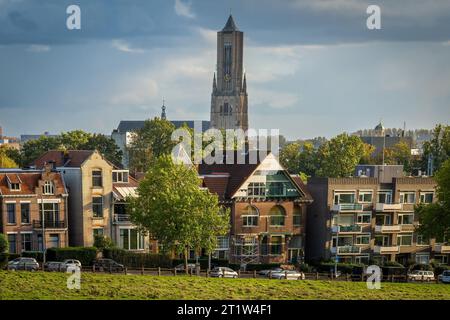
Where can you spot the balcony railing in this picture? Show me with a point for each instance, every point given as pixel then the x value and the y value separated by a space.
pixel 346 250
pixel 440 248
pixel 386 249
pixel 388 229
pixel 356 228
pixel 122 218
pixel 49 224
pixel 347 207
pixel 388 206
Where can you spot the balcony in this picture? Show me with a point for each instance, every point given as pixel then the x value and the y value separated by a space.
pixel 388 229
pixel 347 207
pixel 386 249
pixel 122 218
pixel 388 206
pixel 440 248
pixel 49 224
pixel 347 229
pixel 346 250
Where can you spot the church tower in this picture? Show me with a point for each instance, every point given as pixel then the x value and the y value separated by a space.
pixel 229 92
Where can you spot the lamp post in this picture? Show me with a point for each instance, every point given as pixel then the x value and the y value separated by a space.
pixel 43 230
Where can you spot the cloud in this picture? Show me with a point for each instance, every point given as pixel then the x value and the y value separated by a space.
pixel 123 46
pixel 38 48
pixel 184 9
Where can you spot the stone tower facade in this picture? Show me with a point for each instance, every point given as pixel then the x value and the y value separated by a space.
pixel 229 104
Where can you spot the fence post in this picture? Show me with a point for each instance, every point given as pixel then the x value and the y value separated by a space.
pixel 331 275
pixel 93 268
pixel 174 271
pixel 207 272
pixel 239 273
pixel 347 276
pixel 159 271
pixel 270 274
pixel 285 275
pixel 362 276
pixel 142 270
pixel 254 273
pixel 126 270
pixel 317 276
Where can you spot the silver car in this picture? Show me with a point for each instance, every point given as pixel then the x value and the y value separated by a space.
pixel 29 264
pixel 223 272
pixel 269 271
pixel 289 275
pixel 70 263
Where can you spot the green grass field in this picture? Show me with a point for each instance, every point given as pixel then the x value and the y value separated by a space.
pixel 39 285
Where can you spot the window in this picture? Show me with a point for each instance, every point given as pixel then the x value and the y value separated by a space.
pixel 362 260
pixel 385 197
pixel 120 176
pixel 96 178
pixel 48 188
pixel 131 239
pixel 276 245
pixel 404 240
pixel 297 216
pixel 277 216
pixel 97 207
pixel 426 197
pixel 382 241
pixel 53 240
pixel 407 197
pixel 51 213
pixel 97 232
pixel 344 198
pixel 363 218
pixel 26 241
pixel 223 243
pixel 365 197
pixel 11 212
pixel 383 219
pixel 12 240
pixel 256 189
pixel 25 213
pixel 363 239
pixel 422 241
pixel 406 218
pixel 276 189
pixel 14 186
pixel 422 258
pixel 250 217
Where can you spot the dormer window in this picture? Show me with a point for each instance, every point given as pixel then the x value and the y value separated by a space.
pixel 48 188
pixel 120 176
pixel 14 186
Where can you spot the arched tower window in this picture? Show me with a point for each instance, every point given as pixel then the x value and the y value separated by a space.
pixel 277 216
pixel 250 217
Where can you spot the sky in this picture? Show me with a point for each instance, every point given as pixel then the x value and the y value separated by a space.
pixel 313 67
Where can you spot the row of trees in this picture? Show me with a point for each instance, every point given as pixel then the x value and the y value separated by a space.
pixel 72 140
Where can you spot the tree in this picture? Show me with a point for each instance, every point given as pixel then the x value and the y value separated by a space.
pixel 434 218
pixel 4 246
pixel 339 156
pixel 171 206
pixel 74 140
pixel 101 242
pixel 438 148
pixel 400 153
pixel 5 160
pixel 289 157
pixel 105 145
pixel 150 142
pixel 308 160
pixel 33 149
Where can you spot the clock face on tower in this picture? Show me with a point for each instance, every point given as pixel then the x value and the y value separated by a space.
pixel 227 77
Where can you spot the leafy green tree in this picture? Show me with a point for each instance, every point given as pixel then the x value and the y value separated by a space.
pixel 308 159
pixel 105 145
pixel 74 140
pixel 150 142
pixel 5 160
pixel 33 149
pixel 400 153
pixel 173 208
pixel 339 156
pixel 435 217
pixel 289 157
pixel 102 242
pixel 4 246
pixel 438 147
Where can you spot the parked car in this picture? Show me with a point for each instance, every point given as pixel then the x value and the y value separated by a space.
pixel 29 264
pixel 70 262
pixel 190 266
pixel 268 271
pixel 288 275
pixel 419 275
pixel 223 272
pixel 53 266
pixel 108 265
pixel 445 276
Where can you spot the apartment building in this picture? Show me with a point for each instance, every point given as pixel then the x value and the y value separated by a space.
pixel 268 210
pixel 33 207
pixel 370 218
pixel 97 202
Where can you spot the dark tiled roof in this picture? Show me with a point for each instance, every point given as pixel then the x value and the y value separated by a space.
pixel 133 125
pixel 217 184
pixel 69 158
pixel 29 182
pixel 301 185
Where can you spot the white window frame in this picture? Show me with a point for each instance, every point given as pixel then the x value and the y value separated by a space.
pixel 401 215
pixel 403 197
pixel 364 235
pixel 399 243
pixel 363 193
pixel 423 194
pixel 388 193
pixel 338 194
pixel 362 215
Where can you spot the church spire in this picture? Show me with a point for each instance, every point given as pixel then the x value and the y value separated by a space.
pixel 230 26
pixel 163 111
pixel 244 84
pixel 214 83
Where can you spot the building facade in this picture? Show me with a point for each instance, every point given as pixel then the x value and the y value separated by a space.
pixel 229 99
pixel 268 211
pixel 366 219
pixel 33 207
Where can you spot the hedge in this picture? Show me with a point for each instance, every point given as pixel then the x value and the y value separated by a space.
pixel 137 259
pixel 86 255
pixel 346 268
pixel 38 255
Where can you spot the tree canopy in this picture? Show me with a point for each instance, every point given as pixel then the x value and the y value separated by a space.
pixel 172 208
pixel 438 148
pixel 5 160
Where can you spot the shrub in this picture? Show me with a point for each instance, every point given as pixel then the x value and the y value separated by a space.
pixel 4 246
pixel 438 269
pixel 304 267
pixel 3 260
pixel 346 268
pixel 102 242
pixel 34 254
pixel 86 255
pixel 137 259
pixel 426 267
